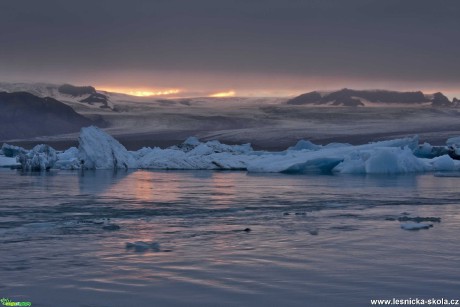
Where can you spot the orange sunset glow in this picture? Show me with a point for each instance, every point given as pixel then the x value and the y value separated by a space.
pixel 230 93
pixel 142 92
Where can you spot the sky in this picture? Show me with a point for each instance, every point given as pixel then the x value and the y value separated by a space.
pixel 244 47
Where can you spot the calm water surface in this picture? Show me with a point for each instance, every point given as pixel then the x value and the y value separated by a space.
pixel 315 240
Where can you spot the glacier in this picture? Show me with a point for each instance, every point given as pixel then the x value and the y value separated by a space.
pixel 99 150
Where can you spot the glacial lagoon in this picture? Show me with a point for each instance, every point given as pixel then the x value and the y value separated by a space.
pixel 226 238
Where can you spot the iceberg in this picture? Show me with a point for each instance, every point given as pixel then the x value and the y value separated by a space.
pixel 11 151
pixel 141 246
pixel 416 226
pixel 41 157
pixel 386 160
pixel 329 158
pixel 8 162
pixel 99 150
pixel 305 145
pixel 68 159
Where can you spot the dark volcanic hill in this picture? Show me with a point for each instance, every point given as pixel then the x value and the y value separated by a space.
pixel 23 115
pixel 353 98
pixel 76 91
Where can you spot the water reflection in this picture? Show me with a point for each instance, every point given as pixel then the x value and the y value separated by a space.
pixel 148 186
pixel 98 181
pixel 163 186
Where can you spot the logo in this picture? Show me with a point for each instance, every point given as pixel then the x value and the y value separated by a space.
pixel 8 302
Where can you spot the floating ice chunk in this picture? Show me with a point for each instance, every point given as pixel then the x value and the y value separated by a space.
pixel 419 219
pixel 98 150
pixel 104 220
pixel 141 246
pixel 189 144
pixel 393 161
pixel 68 159
pixel 354 163
pixel 177 159
pixel 443 163
pixel 192 141
pixel 8 162
pixel 111 227
pixel 328 159
pixel 305 145
pixel 41 157
pixel 337 145
pixel 453 141
pixel 201 150
pixel 424 151
pixel 454 147
pixel 381 160
pixel 12 151
pixel 142 152
pixel 427 151
pixel 323 165
pixel 155 246
pixel 218 147
pixel 416 226
pixel 295 162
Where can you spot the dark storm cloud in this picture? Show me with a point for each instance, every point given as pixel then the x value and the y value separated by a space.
pixel 416 40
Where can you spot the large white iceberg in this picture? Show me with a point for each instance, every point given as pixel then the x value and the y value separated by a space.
pixel 98 150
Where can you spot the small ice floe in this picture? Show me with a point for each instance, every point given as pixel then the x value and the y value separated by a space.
pixel 106 223
pixel 141 246
pixel 101 221
pixel 416 226
pixel 111 227
pixel 419 219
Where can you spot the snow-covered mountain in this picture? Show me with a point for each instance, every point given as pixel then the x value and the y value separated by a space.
pixel 71 95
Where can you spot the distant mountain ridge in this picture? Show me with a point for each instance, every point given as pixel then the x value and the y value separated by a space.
pixel 24 115
pixel 356 98
pixel 86 96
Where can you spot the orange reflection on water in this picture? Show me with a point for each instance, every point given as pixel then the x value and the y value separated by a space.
pixel 223 187
pixel 149 186
pixel 156 186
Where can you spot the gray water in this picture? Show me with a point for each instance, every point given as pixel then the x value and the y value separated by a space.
pixel 315 240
